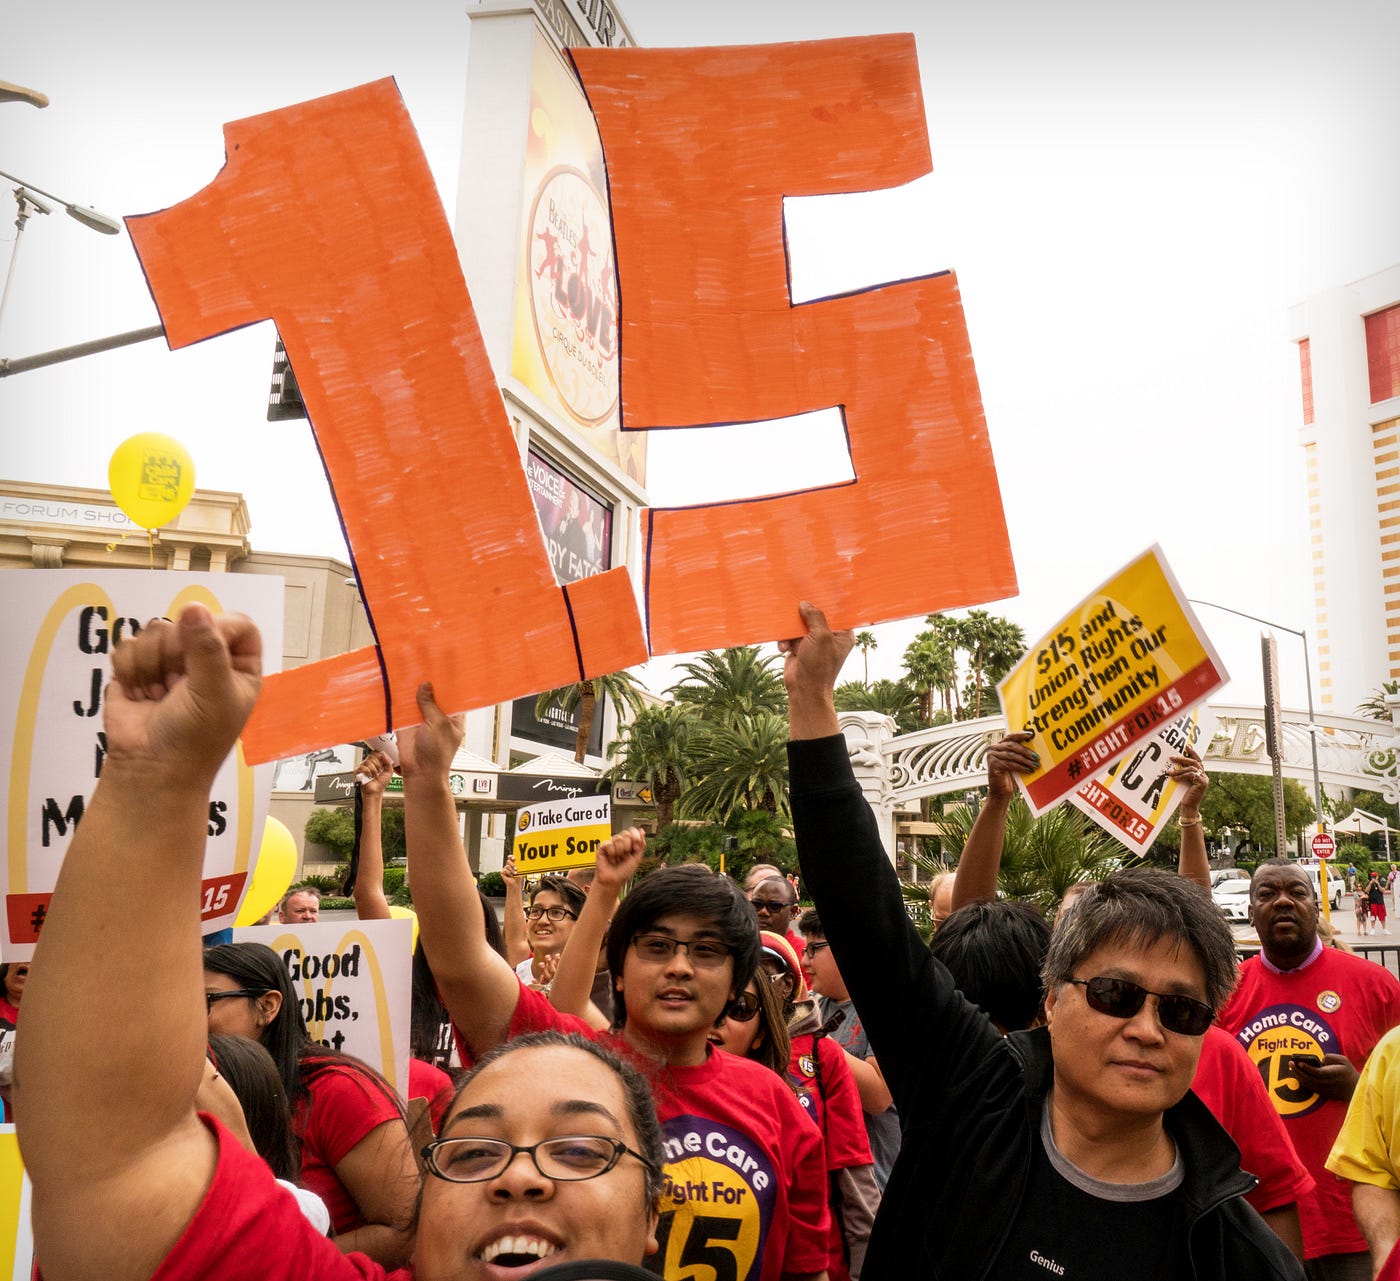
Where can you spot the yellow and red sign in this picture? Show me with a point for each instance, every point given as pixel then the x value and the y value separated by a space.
pixel 555 835
pixel 1124 663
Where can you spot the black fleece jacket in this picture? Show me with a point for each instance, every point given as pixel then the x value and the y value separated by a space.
pixel 969 1099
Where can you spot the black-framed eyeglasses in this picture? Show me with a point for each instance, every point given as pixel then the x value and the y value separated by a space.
pixel 1121 999
pixel 705 954
pixel 769 905
pixel 569 1158
pixel 742 1008
pixel 813 948
pixel 211 997
pixel 555 914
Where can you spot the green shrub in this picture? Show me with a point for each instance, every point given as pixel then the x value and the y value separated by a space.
pixel 493 885
pixel 329 904
pixel 323 881
pixel 393 880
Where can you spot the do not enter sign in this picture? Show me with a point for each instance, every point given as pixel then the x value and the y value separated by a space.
pixel 1323 846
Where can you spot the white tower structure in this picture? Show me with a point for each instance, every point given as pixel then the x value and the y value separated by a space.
pixel 1349 350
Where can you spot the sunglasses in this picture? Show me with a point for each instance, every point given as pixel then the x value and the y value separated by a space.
pixel 769 905
pixel 1121 999
pixel 743 1008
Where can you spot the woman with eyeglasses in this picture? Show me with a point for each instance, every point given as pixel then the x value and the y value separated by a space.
pixel 349 1123
pixel 551 1151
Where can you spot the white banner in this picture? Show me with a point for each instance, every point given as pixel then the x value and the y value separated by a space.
pixel 355 983
pixel 1135 800
pixel 55 663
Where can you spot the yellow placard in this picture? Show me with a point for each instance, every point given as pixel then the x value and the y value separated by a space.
pixel 16 1238
pixel 1126 661
pixel 555 835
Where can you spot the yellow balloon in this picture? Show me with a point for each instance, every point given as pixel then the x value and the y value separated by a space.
pixel 406 914
pixel 272 873
pixel 152 478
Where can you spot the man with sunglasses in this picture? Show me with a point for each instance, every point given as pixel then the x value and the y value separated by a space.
pixel 745 1184
pixel 1073 1150
pixel 1309 1016
pixel 775 904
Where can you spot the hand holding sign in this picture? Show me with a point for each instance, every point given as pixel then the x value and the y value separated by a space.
pixel 1005 760
pixel 428 749
pixel 1191 774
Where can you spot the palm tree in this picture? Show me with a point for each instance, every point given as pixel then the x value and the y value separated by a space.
pixel 897 699
pixel 1042 857
pixel 931 665
pixel 1375 707
pixel 865 642
pixel 619 688
pixel 993 645
pixel 723 685
pixel 740 763
pixel 655 750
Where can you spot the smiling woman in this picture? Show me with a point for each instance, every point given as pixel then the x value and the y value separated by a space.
pixel 561 1145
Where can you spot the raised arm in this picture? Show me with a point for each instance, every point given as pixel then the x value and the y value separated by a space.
pixel 127 902
pixel 885 964
pixel 517 940
pixel 370 903
pixel 618 860
pixel 477 986
pixel 1192 862
pixel 981 856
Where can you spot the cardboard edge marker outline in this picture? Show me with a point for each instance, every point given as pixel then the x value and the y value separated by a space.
pixel 719 339
pixel 325 220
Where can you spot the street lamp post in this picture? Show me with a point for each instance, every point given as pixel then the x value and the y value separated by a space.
pixel 26 196
pixel 1307 673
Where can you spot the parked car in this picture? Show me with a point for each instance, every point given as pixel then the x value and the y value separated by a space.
pixel 1232 897
pixel 1336 883
pixel 1220 874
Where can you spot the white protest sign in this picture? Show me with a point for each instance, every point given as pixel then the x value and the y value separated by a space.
pixel 555 835
pixel 1136 799
pixel 55 662
pixel 355 983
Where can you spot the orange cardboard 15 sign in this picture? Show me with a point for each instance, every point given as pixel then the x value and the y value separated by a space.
pixel 325 219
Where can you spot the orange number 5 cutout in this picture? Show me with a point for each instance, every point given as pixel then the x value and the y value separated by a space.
pixel 701 147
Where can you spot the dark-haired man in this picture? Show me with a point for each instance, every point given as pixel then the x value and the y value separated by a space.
pixel 775 905
pixel 745 1185
pixel 1309 1015
pixel 1080 1141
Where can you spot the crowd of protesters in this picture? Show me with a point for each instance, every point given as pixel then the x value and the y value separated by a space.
pixel 672 1074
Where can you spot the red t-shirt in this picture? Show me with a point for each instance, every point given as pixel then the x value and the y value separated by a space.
pixel 247 1226
pixel 1390 1269
pixel 745 1183
pixel 9 1020
pixel 1228 1083
pixel 428 1082
pixel 1335 1004
pixel 344 1107
pixel 838 1117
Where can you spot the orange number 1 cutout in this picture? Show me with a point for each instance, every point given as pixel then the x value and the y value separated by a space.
pixel 325 219
pixel 701 147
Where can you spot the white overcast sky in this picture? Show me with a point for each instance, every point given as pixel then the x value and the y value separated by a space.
pixel 1131 195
